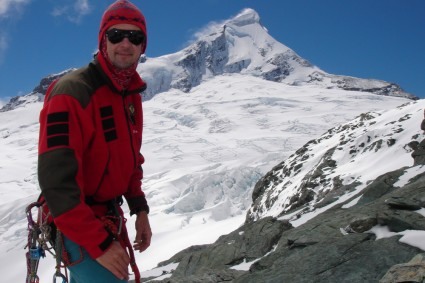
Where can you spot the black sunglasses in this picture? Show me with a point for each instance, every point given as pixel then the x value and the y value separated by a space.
pixel 136 37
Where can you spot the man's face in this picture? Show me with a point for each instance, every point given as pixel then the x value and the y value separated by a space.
pixel 123 54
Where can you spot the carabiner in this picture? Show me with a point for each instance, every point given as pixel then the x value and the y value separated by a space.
pixel 60 275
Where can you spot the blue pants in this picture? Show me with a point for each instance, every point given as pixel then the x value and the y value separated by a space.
pixel 87 269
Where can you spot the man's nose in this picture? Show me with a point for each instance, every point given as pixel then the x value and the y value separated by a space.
pixel 125 41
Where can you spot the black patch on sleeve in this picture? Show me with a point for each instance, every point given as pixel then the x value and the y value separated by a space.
pixel 58 129
pixel 58 141
pixel 58 117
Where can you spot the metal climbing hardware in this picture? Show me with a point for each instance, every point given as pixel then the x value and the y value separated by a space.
pixel 37 253
pixel 60 276
pixel 35 250
pixel 40 241
pixel 58 257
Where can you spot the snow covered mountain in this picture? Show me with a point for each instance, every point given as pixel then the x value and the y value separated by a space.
pixel 339 164
pixel 242 45
pixel 239 45
pixel 218 116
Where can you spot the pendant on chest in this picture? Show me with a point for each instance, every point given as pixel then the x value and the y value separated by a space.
pixel 132 113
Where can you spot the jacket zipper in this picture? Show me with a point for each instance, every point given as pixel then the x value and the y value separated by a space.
pixel 105 172
pixel 124 93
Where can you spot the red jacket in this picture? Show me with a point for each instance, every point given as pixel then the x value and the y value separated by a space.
pixel 89 146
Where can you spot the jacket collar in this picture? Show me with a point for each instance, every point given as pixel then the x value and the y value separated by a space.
pixel 137 85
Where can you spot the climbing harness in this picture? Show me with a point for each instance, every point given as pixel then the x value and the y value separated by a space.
pixel 41 234
pixel 39 241
pixel 114 222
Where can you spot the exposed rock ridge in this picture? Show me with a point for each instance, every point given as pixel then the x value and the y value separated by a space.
pixel 328 167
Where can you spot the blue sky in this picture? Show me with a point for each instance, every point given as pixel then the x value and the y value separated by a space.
pixel 380 39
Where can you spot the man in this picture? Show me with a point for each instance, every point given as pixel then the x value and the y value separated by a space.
pixel 89 152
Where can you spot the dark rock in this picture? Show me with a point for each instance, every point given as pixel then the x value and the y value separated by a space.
pixel 248 243
pixel 419 154
pixel 413 271
pixel 380 186
pixel 404 204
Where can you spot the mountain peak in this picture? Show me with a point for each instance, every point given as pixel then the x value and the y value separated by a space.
pixel 242 45
pixel 247 16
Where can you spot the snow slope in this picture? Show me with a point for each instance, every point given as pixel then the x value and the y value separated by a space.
pixel 204 151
